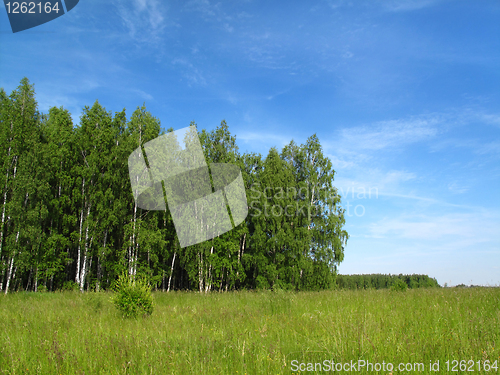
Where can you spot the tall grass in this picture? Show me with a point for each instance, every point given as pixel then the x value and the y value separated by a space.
pixel 246 332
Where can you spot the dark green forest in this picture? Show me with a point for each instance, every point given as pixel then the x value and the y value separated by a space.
pixel 69 219
pixel 379 281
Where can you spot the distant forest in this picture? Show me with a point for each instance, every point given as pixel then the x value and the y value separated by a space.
pixel 378 281
pixel 69 219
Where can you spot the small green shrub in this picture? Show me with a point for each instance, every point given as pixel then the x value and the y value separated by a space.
pixel 70 285
pixel 132 296
pixel 399 285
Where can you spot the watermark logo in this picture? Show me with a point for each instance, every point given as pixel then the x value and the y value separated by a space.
pixel 27 14
pixel 203 205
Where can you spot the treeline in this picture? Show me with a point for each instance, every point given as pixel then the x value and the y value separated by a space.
pixel 69 219
pixel 379 281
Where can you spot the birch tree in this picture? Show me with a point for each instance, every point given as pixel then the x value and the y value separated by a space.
pixel 20 122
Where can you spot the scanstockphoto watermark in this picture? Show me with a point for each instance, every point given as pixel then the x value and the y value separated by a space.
pixel 362 365
pixel 308 201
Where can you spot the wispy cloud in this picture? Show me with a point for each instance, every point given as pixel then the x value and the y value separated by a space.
pixel 204 7
pixel 264 139
pixel 212 12
pixel 406 5
pixel 191 73
pixel 144 95
pixel 458 188
pixel 143 19
pixel 269 50
pixel 387 134
pixel 357 149
pixel 373 180
pixel 493 119
pixel 476 227
pixel 475 146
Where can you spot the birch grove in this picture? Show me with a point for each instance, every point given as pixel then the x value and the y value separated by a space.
pixel 68 218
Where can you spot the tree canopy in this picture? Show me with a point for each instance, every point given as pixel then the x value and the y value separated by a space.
pixel 69 219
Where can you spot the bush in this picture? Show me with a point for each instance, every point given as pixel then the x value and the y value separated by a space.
pixel 41 289
pixel 70 285
pixel 399 285
pixel 132 296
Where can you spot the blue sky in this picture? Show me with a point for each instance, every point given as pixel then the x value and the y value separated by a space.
pixel 403 95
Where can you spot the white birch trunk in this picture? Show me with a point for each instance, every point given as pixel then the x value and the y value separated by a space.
pixel 208 284
pixel 14 278
pixel 5 199
pixel 171 272
pixel 200 273
pixel 82 276
pixel 136 253
pixel 14 160
pixel 132 246
pixel 84 264
pixel 10 267
pixel 240 253
pixel 36 279
pixel 9 275
pixel 78 257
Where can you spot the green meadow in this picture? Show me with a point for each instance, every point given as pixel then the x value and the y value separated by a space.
pixel 251 332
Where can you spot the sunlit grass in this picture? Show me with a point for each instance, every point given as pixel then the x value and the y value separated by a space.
pixel 246 332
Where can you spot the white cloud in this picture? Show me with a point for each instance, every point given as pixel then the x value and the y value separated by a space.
pixel 213 12
pixel 203 6
pixel 493 119
pixel 386 134
pixel 264 139
pixel 144 20
pixel 375 181
pixel 458 188
pixel 465 228
pixel 407 5
pixel 191 73
pixel 144 95
pixel 491 148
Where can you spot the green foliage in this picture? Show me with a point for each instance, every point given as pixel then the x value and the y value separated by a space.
pixel 70 285
pixel 399 285
pixel 132 296
pixel 69 219
pixel 380 281
pixel 42 289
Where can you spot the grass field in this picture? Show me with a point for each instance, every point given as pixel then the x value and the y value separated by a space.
pixel 249 332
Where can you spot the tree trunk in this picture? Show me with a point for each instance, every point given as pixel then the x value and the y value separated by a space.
pixel 136 252
pixel 5 203
pixel 36 279
pixel 78 257
pixel 171 272
pixel 29 279
pixel 208 284
pixel 14 161
pixel 240 254
pixel 12 259
pixel 9 275
pixel 99 261
pixel 132 246
pixel 200 273
pixel 84 264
